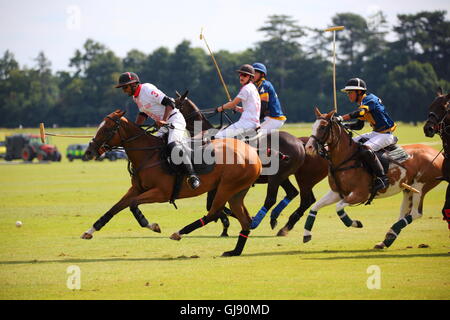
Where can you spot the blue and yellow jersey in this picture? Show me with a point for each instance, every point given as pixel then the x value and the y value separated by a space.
pixel 266 89
pixel 373 111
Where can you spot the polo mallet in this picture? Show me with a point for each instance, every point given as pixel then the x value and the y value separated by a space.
pixel 43 134
pixel 334 29
pixel 217 66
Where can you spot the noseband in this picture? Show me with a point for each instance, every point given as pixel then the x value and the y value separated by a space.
pixel 322 143
pixel 111 132
pixel 438 123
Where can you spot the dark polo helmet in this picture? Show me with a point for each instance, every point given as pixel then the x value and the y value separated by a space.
pixel 247 69
pixel 127 78
pixel 355 84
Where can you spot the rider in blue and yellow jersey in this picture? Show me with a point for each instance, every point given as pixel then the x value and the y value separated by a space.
pixel 271 111
pixel 371 109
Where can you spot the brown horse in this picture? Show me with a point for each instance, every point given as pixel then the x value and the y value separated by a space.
pixel 307 169
pixel 439 122
pixel 151 183
pixel 351 183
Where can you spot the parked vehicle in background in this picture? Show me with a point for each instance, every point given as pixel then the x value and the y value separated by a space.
pixel 113 155
pixel 2 149
pixel 28 147
pixel 76 151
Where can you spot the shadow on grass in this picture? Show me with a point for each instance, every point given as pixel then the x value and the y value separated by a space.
pixel 231 236
pixel 369 254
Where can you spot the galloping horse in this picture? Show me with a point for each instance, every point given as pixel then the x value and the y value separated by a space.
pixel 151 183
pixel 439 122
pixel 307 169
pixel 350 182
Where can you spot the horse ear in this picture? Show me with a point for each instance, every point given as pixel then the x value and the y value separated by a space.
pixel 120 113
pixel 185 94
pixel 318 114
pixel 331 113
pixel 439 92
pixel 177 93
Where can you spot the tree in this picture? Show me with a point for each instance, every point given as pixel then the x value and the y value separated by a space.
pixel 425 36
pixel 282 34
pixel 409 90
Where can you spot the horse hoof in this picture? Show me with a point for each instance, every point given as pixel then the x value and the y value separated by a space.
pixel 175 236
pixel 224 234
pixel 231 253
pixel 86 236
pixel 307 238
pixel 155 227
pixel 379 246
pixel 283 232
pixel 358 224
pixel 273 223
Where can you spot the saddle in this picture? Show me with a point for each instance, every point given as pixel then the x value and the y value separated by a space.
pixel 390 154
pixel 179 172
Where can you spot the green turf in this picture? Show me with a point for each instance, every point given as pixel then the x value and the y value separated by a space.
pixel 58 201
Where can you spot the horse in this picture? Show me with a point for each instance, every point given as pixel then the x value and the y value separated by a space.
pixel 151 183
pixel 438 121
pixel 307 169
pixel 350 182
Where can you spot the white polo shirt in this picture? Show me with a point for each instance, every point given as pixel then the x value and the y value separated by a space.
pixel 148 99
pixel 251 102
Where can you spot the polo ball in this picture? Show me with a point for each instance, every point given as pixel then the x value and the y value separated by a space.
pixel 18 224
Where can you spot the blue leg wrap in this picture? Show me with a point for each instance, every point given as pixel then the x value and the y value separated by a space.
pixel 280 206
pixel 258 218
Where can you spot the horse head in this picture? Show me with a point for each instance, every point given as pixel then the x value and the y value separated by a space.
pixel 321 132
pixel 107 136
pixel 191 113
pixel 436 113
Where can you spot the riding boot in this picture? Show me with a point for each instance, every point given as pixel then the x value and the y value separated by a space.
pixel 369 157
pixel 193 180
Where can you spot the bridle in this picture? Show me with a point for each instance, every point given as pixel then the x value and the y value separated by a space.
pixel 439 122
pixel 322 143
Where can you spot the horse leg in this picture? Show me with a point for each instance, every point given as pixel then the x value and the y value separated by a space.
pixel 446 209
pixel 306 200
pixel 215 209
pixel 271 199
pixel 119 206
pixel 291 193
pixel 330 198
pixel 345 218
pixel 237 206
pixel 415 202
pixel 222 215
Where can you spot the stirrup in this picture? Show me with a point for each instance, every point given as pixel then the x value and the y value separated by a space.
pixel 381 183
pixel 193 181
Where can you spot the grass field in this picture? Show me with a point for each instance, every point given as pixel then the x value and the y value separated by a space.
pixel 58 201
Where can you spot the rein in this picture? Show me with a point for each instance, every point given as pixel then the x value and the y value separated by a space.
pixel 116 129
pixel 324 153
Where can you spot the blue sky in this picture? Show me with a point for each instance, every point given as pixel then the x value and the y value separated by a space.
pixel 60 27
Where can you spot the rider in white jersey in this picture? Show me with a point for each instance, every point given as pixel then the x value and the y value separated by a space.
pixel 251 105
pixel 153 103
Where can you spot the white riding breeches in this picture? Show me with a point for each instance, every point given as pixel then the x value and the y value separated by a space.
pixel 271 123
pixel 236 129
pixel 178 132
pixel 377 140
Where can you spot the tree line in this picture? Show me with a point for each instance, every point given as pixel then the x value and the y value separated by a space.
pixel 404 72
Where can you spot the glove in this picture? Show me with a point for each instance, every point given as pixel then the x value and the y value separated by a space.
pixel 339 118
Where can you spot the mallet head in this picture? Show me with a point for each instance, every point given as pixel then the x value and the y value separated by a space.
pixel 42 132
